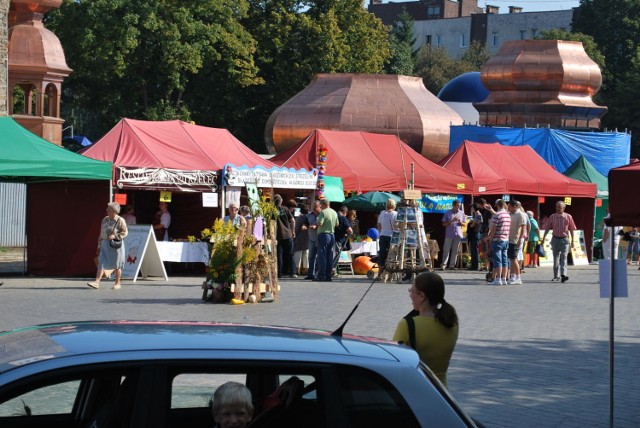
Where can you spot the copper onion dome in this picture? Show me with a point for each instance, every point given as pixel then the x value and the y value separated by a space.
pixel 37 65
pixel 541 82
pixel 378 103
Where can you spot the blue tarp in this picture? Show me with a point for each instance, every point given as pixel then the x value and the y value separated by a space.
pixel 604 150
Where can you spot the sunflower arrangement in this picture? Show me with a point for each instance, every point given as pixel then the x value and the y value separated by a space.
pixel 224 261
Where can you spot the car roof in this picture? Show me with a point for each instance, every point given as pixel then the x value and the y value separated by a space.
pixel 31 344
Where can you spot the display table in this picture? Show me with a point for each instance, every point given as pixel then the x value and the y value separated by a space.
pixel 183 252
pixel 370 247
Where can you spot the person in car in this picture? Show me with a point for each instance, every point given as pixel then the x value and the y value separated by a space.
pixel 435 324
pixel 231 406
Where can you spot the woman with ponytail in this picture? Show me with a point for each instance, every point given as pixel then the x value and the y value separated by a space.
pixel 434 324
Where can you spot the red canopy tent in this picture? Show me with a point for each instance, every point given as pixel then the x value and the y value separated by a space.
pixel 369 162
pixel 498 169
pixel 173 145
pixel 624 194
pixel 519 170
pixel 174 156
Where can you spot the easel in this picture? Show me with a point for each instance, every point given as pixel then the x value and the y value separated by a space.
pixel 409 251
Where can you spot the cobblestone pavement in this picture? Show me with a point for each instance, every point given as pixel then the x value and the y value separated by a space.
pixel 534 355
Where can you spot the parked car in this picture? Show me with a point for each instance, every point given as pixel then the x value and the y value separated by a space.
pixel 163 374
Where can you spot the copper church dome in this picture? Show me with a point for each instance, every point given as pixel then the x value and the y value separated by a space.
pixel 378 103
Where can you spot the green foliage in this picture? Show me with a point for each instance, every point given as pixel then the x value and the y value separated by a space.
pixel 615 29
pixel 475 56
pixel 437 68
pixel 401 60
pixel 223 63
pixel 401 41
pixel 137 58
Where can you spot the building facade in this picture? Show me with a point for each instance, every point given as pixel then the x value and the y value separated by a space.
pixel 424 9
pixel 456 33
pixel 4 37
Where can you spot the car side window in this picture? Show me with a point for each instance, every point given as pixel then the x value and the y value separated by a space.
pixel 193 390
pixel 371 400
pixel 55 399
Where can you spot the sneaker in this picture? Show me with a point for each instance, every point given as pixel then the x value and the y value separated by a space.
pixel 515 282
pixel 496 281
pixel 93 285
pixel 116 287
pixel 294 276
pixel 565 278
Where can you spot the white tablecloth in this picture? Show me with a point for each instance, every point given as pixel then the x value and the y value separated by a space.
pixel 365 247
pixel 183 251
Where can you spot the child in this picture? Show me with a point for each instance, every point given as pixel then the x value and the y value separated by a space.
pixel 231 405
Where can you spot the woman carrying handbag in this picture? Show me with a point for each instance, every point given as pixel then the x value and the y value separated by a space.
pixel 110 252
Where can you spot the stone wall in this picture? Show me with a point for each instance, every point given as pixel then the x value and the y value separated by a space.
pixel 4 11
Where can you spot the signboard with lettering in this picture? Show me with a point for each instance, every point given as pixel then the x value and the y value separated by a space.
pixel 437 203
pixel 280 178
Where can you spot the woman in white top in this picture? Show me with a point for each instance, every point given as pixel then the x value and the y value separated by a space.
pixel 606 240
pixel 386 220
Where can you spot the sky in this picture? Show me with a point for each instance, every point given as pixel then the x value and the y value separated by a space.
pixel 526 5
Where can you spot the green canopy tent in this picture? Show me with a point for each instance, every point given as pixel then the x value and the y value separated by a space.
pixel 66 195
pixel 582 170
pixel 25 157
pixel 333 190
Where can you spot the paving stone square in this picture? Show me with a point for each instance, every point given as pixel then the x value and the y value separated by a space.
pixel 531 355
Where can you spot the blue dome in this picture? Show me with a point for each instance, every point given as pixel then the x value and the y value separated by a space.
pixel 466 88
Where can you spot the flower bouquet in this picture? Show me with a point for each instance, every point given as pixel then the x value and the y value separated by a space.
pixel 224 262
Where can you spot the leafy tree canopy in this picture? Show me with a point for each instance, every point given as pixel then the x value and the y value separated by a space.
pixel 437 68
pixel 615 28
pixel 136 58
pixel 225 63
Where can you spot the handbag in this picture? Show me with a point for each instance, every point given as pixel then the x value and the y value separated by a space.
pixel 115 243
pixel 540 250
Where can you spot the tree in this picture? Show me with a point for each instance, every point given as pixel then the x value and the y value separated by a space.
pixel 298 39
pixel 475 56
pixel 223 63
pixel 437 68
pixel 136 59
pixel 401 41
pixel 615 28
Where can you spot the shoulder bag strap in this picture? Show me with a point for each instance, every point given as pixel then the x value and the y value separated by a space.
pixel 412 327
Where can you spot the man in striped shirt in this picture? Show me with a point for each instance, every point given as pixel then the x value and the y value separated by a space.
pixel 498 237
pixel 562 226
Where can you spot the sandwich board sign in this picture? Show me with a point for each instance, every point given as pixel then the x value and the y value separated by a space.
pixel 141 254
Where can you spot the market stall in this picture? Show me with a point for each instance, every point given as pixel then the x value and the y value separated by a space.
pixel 180 159
pixel 368 162
pixel 57 180
pixel 520 173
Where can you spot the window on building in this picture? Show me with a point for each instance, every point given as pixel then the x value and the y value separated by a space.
pixel 495 39
pixel 433 11
pixel 463 41
pixel 428 39
pixel 534 33
pixel 438 40
pixel 523 34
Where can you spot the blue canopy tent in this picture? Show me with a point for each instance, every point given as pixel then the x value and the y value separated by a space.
pixel 557 147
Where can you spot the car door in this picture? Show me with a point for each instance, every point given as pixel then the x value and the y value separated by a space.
pixel 83 396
